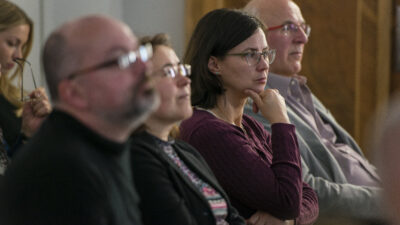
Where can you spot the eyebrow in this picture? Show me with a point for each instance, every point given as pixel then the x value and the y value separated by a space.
pixel 289 22
pixel 170 64
pixel 254 49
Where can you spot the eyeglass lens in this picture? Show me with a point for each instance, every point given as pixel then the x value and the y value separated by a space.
pixel 173 71
pixel 253 58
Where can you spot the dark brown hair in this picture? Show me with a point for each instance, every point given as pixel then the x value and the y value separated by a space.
pixel 216 33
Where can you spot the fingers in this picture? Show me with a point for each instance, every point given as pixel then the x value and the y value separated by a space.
pixel 253 95
pixel 40 107
pixel 253 219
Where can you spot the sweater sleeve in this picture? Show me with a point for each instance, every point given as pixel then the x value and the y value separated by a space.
pixel 243 169
pixel 309 209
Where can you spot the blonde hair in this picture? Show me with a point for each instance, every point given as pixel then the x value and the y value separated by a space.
pixel 11 16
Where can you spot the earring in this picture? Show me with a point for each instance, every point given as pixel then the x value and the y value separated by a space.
pixel 216 73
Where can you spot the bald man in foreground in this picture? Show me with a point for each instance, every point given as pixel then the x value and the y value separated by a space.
pixel 76 169
pixel 333 164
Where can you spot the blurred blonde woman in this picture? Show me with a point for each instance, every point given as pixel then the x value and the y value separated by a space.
pixel 16 33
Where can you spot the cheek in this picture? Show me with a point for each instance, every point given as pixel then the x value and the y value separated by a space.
pixel 5 55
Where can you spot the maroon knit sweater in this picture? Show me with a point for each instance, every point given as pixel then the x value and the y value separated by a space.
pixel 259 171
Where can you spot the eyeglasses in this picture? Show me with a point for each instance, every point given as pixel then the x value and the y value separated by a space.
pixel 173 70
pixel 144 53
pixel 293 28
pixel 253 57
pixel 19 62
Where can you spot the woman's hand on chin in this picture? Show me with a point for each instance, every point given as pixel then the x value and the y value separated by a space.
pixel 271 105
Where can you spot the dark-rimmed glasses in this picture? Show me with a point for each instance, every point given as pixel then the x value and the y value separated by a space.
pixel 144 53
pixel 172 71
pixel 293 28
pixel 19 62
pixel 253 57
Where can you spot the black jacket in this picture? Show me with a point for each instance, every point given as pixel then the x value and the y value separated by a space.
pixel 167 196
pixel 68 174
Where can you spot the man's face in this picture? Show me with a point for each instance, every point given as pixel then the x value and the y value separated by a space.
pixel 289 45
pixel 117 95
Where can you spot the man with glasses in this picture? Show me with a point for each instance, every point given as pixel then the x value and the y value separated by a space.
pixel 76 169
pixel 333 164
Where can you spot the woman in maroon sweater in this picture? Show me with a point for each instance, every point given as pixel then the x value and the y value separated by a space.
pixel 261 172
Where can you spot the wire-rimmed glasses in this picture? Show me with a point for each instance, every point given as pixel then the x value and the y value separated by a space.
pixel 19 62
pixel 254 57
pixel 293 28
pixel 144 53
pixel 172 71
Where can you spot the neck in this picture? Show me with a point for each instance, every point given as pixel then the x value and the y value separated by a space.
pixel 230 109
pixel 159 128
pixel 118 132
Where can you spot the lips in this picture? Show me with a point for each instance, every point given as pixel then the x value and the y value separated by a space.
pixel 9 66
pixel 262 80
pixel 184 96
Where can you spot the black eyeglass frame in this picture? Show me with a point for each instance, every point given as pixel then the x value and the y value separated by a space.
pixel 21 66
pixel 144 53
pixel 265 54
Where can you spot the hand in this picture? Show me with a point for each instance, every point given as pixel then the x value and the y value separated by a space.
pixel 264 218
pixel 271 105
pixel 35 111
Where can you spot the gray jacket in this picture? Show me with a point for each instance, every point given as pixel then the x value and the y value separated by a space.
pixel 323 173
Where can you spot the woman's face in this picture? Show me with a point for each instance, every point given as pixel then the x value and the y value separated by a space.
pixel 12 41
pixel 235 72
pixel 174 92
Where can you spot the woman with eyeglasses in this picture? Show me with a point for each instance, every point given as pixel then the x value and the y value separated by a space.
pixel 173 181
pixel 260 171
pixel 16 31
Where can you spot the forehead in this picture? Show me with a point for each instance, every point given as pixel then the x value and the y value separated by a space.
pixel 106 41
pixel 289 12
pixel 256 41
pixel 164 55
pixel 20 31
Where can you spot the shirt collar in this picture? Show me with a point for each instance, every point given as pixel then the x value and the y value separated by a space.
pixel 282 83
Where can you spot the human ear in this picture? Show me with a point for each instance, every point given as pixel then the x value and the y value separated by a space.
pixel 213 65
pixel 72 94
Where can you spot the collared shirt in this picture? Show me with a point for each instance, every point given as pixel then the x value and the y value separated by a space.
pixel 298 97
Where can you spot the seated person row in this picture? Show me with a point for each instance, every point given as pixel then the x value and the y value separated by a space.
pixel 260 171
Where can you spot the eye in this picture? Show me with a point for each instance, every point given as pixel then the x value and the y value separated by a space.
pixel 252 55
pixel 169 72
pixel 293 27
pixel 11 43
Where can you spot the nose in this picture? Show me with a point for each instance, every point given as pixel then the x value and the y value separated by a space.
pixel 301 36
pixel 263 64
pixel 18 53
pixel 182 80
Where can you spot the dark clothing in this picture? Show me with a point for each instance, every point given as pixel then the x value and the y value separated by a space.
pixel 68 174
pixel 9 122
pixel 259 171
pixel 167 195
pixel 4 161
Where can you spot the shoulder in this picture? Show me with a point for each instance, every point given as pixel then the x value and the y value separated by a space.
pixel 256 126
pixel 203 123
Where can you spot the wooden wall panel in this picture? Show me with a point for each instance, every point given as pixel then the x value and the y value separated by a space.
pixel 347 59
